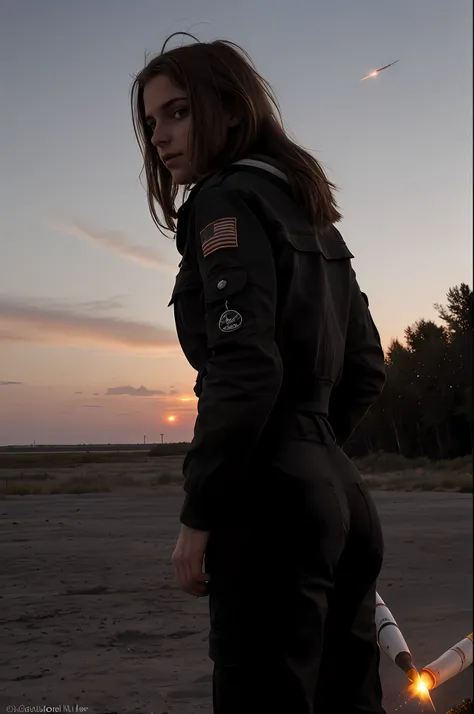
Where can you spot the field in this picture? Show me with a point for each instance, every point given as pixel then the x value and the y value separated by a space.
pixel 91 614
pixel 102 471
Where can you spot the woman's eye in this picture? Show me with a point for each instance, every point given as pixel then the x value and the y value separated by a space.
pixel 178 113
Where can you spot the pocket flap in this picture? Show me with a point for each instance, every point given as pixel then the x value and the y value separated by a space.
pixel 223 283
pixel 186 280
pixel 330 244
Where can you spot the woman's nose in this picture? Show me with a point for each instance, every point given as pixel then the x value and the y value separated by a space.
pixel 160 136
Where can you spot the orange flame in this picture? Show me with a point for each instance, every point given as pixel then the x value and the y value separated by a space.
pixel 368 76
pixel 420 688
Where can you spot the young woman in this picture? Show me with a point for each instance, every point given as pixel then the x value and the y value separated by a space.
pixel 269 313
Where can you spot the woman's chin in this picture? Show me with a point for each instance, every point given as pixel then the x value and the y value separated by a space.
pixel 181 175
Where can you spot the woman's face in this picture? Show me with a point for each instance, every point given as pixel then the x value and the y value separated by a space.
pixel 167 114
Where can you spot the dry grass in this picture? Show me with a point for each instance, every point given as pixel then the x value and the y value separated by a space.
pixel 92 477
pixel 380 462
pixel 421 480
pixel 68 459
pixel 103 473
pixel 392 472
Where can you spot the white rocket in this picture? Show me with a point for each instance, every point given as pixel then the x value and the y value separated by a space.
pixel 451 663
pixel 391 640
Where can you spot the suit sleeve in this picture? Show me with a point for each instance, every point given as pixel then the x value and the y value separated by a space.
pixel 244 369
pixel 363 376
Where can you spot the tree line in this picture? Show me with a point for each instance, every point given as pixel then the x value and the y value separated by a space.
pixel 425 409
pixel 426 406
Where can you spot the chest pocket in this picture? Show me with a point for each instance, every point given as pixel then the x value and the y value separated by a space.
pixel 189 314
pixel 186 281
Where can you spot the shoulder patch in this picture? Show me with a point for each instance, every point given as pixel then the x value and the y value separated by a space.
pixel 219 234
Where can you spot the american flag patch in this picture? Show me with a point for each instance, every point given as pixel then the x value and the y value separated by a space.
pixel 219 234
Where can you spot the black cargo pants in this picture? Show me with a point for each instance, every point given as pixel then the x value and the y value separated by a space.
pixel 292 595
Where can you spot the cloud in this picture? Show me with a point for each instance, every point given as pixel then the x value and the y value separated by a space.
pixel 112 303
pixel 9 336
pixel 133 391
pixel 77 392
pixel 92 406
pixel 35 321
pixel 8 384
pixel 116 242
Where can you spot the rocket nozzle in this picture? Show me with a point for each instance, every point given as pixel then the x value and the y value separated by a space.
pixel 413 675
pixel 404 660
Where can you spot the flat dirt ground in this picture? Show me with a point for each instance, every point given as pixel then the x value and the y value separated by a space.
pixel 90 614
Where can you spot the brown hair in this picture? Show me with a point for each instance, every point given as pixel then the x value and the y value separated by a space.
pixel 220 76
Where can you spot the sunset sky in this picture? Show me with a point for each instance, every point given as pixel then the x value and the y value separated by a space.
pixel 88 351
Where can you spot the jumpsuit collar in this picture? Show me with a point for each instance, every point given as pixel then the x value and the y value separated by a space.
pixel 254 161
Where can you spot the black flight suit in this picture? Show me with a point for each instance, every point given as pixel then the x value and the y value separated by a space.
pixel 269 313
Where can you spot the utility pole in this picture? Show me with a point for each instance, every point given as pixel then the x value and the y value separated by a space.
pixel 161 437
pixel 144 439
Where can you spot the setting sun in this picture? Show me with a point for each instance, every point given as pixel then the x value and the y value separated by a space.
pixel 171 418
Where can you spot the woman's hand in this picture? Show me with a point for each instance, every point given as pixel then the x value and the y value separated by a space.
pixel 188 559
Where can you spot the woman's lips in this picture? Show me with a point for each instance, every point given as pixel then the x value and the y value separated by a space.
pixel 172 159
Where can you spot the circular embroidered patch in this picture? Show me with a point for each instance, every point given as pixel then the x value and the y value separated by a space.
pixel 229 321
